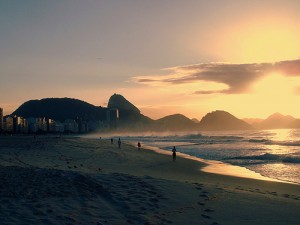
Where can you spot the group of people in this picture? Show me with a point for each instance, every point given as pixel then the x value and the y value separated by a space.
pixel 119 142
pixel 139 147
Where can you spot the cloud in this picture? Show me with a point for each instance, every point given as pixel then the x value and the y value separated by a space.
pixel 289 68
pixel 207 92
pixel 237 77
pixel 145 80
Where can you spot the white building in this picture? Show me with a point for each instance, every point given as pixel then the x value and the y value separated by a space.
pixel 23 126
pixel 71 126
pixel 112 115
pixel 41 124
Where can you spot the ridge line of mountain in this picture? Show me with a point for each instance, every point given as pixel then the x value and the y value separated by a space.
pixel 131 117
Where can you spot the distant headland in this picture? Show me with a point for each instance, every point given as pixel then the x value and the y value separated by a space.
pixel 68 115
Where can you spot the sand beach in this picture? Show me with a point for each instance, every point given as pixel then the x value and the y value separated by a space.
pixel 69 180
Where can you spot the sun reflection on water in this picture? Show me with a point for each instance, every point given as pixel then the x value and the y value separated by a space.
pixel 283 135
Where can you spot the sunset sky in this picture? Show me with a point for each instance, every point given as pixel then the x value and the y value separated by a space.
pixel 165 56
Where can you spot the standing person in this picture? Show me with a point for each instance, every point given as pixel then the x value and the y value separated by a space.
pixel 174 153
pixel 111 141
pixel 139 145
pixel 119 143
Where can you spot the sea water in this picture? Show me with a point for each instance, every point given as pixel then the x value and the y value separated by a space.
pixel 272 153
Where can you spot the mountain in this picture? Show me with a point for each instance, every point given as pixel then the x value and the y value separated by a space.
pixel 277 121
pixel 175 122
pixel 295 124
pixel 130 115
pixel 61 109
pixel 68 108
pixel 121 103
pixel 195 120
pixel 221 120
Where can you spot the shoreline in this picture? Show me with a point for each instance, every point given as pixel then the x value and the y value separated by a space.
pixel 218 167
pixel 215 166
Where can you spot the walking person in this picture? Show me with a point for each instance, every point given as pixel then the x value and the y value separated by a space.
pixel 139 146
pixel 174 154
pixel 119 143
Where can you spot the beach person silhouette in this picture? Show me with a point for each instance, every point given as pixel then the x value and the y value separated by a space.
pixel 139 145
pixel 111 141
pixel 174 153
pixel 119 143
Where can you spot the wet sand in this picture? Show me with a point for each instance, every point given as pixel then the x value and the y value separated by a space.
pixel 54 180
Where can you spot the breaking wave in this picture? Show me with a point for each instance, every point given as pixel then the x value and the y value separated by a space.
pixel 284 143
pixel 271 158
pixel 258 140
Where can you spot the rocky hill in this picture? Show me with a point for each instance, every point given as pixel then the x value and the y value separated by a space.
pixel 221 120
pixel 130 117
pixel 61 109
pixel 175 122
pixel 277 121
pixel 121 103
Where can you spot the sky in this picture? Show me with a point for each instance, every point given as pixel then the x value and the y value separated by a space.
pixel 165 56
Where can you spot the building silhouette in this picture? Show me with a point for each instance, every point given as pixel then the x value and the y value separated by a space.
pixel 1 120
pixel 112 117
pixel 8 124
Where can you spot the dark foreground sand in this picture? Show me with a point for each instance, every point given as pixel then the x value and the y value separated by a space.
pixel 54 180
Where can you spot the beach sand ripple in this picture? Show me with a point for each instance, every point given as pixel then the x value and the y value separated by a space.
pixel 43 183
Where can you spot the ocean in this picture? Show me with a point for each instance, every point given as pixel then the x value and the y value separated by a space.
pixel 271 153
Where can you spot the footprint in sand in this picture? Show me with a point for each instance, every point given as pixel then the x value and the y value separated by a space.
pixel 151 192
pixel 166 221
pixel 49 211
pixel 295 197
pixel 205 216
pixel 204 196
pixel 143 208
pixel 153 200
pixel 238 188
pixel 209 210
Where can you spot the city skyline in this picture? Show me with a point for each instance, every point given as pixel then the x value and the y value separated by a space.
pixel 166 57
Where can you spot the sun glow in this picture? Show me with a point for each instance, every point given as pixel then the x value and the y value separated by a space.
pixel 275 86
pixel 276 93
pixel 262 41
pixel 273 93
